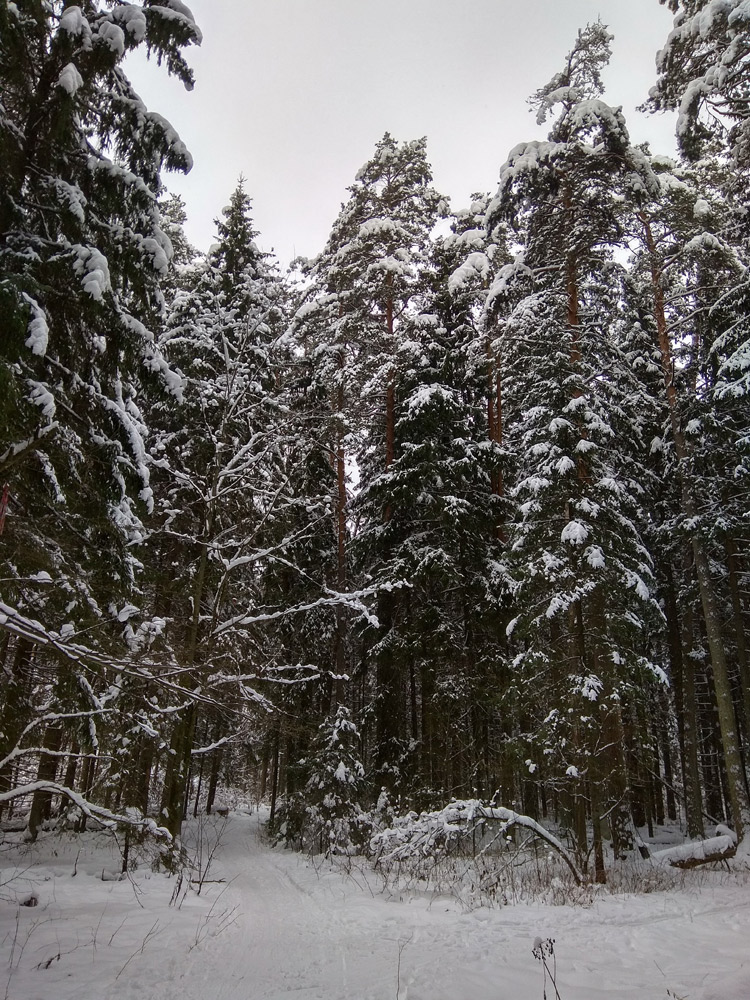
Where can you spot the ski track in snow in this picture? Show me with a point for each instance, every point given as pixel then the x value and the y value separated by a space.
pixel 283 928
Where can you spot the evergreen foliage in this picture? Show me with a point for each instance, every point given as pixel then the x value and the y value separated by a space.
pixel 461 513
pixel 327 817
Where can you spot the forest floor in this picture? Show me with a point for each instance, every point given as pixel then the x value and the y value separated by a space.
pixel 269 924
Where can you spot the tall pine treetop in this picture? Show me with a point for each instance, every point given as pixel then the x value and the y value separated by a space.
pixel 580 79
pixel 576 171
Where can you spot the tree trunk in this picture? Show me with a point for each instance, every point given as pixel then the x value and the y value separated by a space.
pixel 693 794
pixel 388 697
pixel 682 665
pixel 341 540
pixel 663 737
pixel 390 395
pixel 41 803
pixel 180 752
pixel 495 418
pixel 274 774
pixel 213 781
pixel 72 765
pixel 733 567
pixel 14 708
pixel 178 767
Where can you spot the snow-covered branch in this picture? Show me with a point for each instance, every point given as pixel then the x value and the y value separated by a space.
pixel 432 832
pixel 99 814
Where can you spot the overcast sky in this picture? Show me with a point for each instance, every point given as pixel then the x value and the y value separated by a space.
pixel 294 94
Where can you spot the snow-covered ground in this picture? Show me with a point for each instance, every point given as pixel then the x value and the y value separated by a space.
pixel 282 927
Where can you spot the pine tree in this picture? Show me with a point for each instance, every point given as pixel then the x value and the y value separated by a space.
pixel 702 72
pixel 440 547
pixel 366 285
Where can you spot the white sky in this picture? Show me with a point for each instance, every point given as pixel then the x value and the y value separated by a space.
pixel 294 94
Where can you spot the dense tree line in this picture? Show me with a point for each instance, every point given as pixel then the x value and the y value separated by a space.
pixel 457 508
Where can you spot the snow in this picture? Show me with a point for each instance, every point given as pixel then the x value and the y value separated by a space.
pixel 92 268
pixel 175 146
pixel 127 611
pixel 574 532
pixel 590 687
pixel 282 925
pixel 38 331
pixel 374 228
pixel 153 358
pixel 159 248
pixel 636 582
pixel 588 115
pixel 564 465
pixel 180 8
pixel 134 21
pixel 698 851
pixel 73 198
pixel 472 239
pixel 341 774
pixel 426 396
pixel 72 21
pixel 69 79
pixel 595 557
pixel 562 95
pixel 113 36
pixel 41 396
pixel 475 268
pixel 175 10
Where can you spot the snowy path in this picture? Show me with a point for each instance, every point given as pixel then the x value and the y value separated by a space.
pixel 301 933
pixel 307 934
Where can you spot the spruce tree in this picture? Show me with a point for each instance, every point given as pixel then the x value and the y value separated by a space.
pixel 81 257
pixel 82 254
pixel 703 73
pixel 687 269
pixel 573 414
pixel 218 480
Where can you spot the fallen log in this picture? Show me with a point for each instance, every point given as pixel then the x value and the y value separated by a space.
pixel 701 852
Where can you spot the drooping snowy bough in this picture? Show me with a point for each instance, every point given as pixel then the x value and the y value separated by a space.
pixel 433 833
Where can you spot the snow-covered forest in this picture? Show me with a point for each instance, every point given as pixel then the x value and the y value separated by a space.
pixel 458 509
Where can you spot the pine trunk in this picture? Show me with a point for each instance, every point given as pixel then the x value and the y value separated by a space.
pixel 341 540
pixel 733 568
